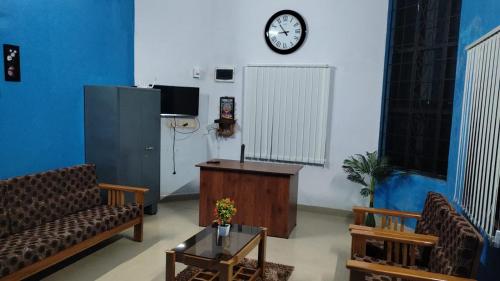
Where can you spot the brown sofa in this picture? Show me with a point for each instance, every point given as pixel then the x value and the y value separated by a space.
pixel 454 248
pixel 47 217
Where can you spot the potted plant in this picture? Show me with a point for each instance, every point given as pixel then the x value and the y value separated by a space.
pixel 224 211
pixel 367 170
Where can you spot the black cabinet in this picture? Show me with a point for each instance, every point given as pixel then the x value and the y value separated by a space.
pixel 122 137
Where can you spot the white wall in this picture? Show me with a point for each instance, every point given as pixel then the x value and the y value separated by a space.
pixel 172 36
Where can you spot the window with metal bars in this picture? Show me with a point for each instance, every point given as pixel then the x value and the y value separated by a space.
pixel 420 82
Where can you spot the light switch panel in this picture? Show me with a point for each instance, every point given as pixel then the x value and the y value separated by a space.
pixel 196 72
pixel 12 63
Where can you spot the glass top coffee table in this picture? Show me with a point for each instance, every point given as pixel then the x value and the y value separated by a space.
pixel 219 256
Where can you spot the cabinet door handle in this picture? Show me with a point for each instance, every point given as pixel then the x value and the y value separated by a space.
pixel 149 148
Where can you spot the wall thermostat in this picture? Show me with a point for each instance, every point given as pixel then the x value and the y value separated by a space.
pixel 224 74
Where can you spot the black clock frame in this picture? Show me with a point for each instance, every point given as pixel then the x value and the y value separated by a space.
pixel 301 40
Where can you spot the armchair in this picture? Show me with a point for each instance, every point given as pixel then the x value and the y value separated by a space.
pixel 454 256
pixel 428 222
pixel 436 207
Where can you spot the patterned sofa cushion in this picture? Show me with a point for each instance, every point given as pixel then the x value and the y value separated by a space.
pixel 20 250
pixel 29 246
pixel 29 199
pixel 435 209
pixel 81 188
pixel 377 277
pixel 44 197
pixel 459 248
pixel 113 216
pixel 4 219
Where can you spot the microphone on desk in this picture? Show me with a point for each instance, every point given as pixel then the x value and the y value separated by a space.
pixel 242 154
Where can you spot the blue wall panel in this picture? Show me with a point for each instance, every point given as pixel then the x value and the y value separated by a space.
pixel 65 44
pixel 408 193
pixel 478 18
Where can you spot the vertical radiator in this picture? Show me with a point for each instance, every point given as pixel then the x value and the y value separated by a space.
pixel 478 164
pixel 286 113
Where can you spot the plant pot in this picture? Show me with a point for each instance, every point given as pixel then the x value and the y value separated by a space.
pixel 223 230
pixel 370 220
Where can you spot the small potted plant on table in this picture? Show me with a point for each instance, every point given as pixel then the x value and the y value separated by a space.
pixel 224 212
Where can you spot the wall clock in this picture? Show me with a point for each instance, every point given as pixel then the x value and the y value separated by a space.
pixel 285 32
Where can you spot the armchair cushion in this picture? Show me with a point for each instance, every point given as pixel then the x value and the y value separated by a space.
pixel 435 208
pixel 384 262
pixel 4 219
pixel 459 248
pixel 377 277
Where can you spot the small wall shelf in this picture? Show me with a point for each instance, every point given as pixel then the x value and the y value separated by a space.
pixel 226 127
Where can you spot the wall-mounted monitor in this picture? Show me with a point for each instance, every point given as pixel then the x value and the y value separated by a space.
pixel 179 101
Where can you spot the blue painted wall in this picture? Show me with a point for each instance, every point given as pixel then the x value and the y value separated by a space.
pixel 408 193
pixel 478 18
pixel 65 44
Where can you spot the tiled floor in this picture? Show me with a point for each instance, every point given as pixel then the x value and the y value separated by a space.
pixel 318 248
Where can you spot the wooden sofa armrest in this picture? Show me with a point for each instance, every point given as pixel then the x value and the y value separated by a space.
pixel 122 188
pixel 116 193
pixel 380 230
pixel 390 218
pixel 399 247
pixel 116 197
pixel 399 272
pixel 387 212
pixel 395 236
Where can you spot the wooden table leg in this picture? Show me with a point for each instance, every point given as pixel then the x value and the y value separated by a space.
pixel 262 251
pixel 226 271
pixel 170 266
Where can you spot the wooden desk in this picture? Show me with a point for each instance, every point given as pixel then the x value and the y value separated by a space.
pixel 265 194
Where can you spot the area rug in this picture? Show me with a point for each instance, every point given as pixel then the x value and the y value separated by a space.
pixel 272 271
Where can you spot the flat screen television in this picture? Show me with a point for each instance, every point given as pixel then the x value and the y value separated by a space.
pixel 179 101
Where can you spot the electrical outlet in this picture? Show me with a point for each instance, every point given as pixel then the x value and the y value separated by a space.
pixel 179 123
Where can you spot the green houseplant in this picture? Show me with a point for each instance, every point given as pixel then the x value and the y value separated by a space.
pixel 224 211
pixel 367 170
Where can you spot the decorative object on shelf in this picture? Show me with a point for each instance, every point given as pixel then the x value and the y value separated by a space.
pixel 226 119
pixel 227 108
pixel 224 212
pixel 285 32
pixel 376 169
pixel 12 63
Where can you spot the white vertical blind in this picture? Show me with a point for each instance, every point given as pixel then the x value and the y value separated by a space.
pixel 285 113
pixel 478 164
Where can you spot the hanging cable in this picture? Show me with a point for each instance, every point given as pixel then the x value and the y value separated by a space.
pixel 198 126
pixel 173 147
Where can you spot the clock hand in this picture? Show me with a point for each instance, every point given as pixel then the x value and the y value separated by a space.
pixel 286 32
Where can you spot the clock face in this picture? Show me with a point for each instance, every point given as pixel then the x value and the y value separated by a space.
pixel 285 32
